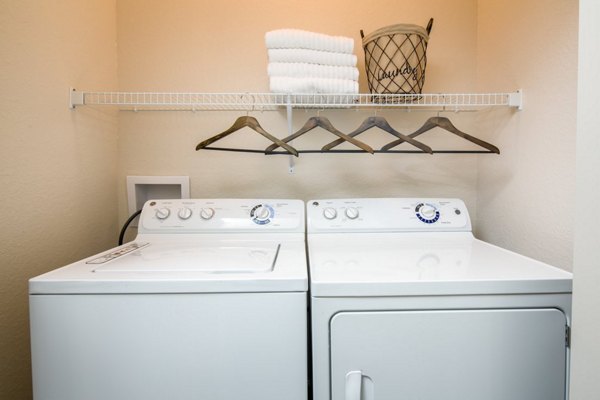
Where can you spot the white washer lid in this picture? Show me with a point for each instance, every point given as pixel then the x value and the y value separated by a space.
pixel 186 265
pixel 408 264
pixel 225 258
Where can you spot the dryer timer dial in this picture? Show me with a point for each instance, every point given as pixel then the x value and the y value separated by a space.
pixel 427 213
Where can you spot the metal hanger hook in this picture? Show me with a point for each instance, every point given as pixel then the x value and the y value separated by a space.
pixel 252 102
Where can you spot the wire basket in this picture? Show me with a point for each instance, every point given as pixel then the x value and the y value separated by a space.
pixel 395 59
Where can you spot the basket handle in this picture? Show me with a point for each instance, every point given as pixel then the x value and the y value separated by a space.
pixel 429 26
pixel 428 29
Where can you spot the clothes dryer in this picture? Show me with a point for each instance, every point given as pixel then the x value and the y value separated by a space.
pixel 208 302
pixel 407 304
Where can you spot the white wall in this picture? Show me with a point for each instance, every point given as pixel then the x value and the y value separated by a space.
pixel 525 196
pixel 57 166
pixel 586 317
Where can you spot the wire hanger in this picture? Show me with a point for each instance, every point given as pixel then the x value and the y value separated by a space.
pixel 444 123
pixel 381 123
pixel 321 122
pixel 250 122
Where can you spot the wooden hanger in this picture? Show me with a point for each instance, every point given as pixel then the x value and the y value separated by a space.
pixel 252 123
pixel 322 122
pixel 444 123
pixel 381 123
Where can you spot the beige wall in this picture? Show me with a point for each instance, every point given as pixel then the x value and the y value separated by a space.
pixel 57 166
pixel 586 301
pixel 189 45
pixel 63 170
pixel 525 197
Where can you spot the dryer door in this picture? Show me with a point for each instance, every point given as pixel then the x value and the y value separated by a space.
pixel 505 354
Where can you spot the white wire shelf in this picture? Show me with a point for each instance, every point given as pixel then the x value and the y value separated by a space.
pixel 272 101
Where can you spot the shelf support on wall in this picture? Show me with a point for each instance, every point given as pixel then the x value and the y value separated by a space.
pixel 515 99
pixel 75 98
pixel 288 107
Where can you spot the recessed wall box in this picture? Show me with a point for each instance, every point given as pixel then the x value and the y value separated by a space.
pixel 143 188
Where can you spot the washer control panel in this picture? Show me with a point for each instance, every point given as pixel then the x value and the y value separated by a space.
pixel 387 215
pixel 222 215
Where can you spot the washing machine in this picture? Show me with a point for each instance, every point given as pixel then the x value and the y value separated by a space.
pixel 408 305
pixel 208 302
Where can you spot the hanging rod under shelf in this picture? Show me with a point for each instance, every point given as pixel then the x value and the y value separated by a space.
pixel 156 101
pixel 279 152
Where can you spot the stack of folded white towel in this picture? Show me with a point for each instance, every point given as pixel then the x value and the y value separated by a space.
pixel 308 62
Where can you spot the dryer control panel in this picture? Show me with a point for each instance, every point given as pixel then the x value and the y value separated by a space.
pixel 388 215
pixel 222 215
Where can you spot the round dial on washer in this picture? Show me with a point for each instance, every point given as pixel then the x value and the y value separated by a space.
pixel 329 213
pixel 207 213
pixel 352 212
pixel 427 213
pixel 163 213
pixel 262 213
pixel 184 213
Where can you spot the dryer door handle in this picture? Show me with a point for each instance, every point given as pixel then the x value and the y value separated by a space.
pixel 353 385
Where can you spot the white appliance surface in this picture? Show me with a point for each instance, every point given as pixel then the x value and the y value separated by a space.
pixel 208 302
pixel 407 304
pixel 386 249
pixel 371 264
pixel 226 249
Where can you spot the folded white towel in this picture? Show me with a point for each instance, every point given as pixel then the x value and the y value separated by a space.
pixel 304 70
pixel 311 56
pixel 299 39
pixel 281 84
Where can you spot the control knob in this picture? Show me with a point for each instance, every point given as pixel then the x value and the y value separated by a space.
pixel 329 213
pixel 262 213
pixel 207 213
pixel 163 213
pixel 351 212
pixel 184 213
pixel 427 211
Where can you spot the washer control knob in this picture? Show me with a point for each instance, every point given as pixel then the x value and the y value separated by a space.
pixel 184 213
pixel 352 212
pixel 428 211
pixel 163 213
pixel 329 213
pixel 207 213
pixel 262 213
